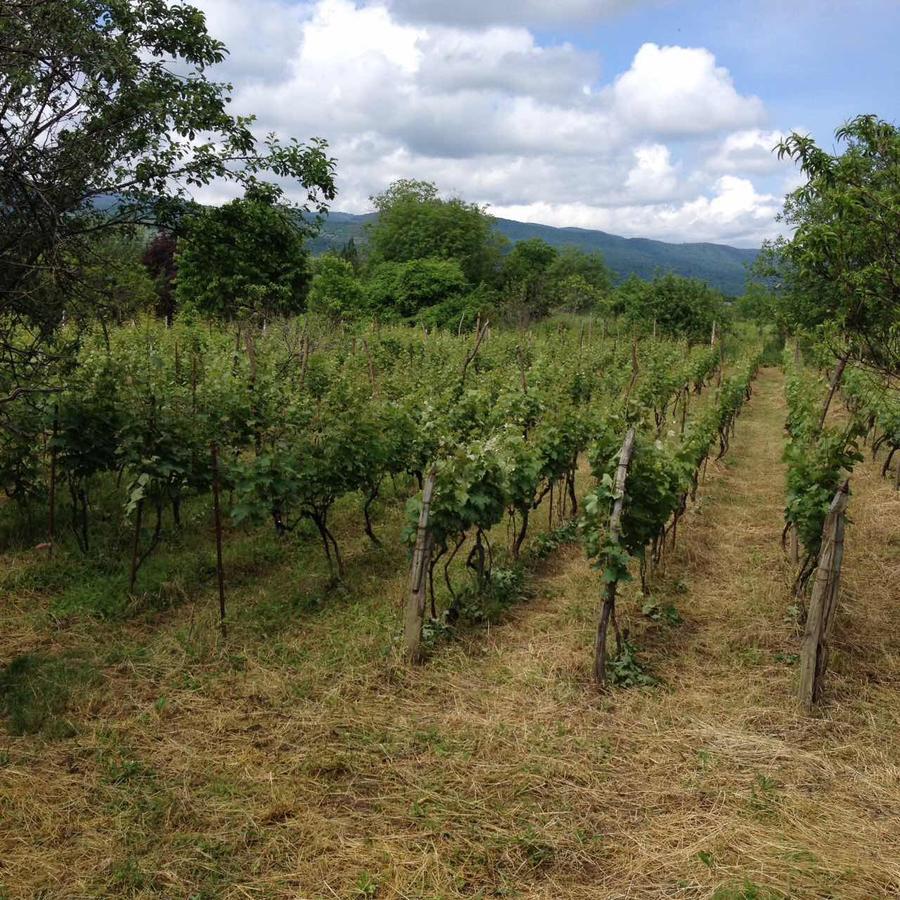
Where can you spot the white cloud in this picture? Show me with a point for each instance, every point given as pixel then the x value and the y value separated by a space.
pixel 734 213
pixel 261 36
pixel 750 150
pixel 518 12
pixel 507 60
pixel 500 117
pixel 653 176
pixel 680 90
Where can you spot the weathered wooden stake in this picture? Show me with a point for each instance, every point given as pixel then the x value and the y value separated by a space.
pixel 217 514
pixel 51 518
pixel 823 604
pixel 136 545
pixel 608 610
pixel 414 612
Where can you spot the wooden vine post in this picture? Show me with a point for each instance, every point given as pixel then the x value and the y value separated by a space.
pixel 217 514
pixel 51 516
pixel 823 604
pixel 414 612
pixel 608 610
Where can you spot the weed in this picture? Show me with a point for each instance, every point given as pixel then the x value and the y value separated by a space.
pixel 485 601
pixel 549 541
pixel 366 886
pixel 746 891
pixel 665 613
pixel 625 670
pixel 764 797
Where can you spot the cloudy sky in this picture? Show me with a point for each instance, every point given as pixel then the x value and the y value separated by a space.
pixel 651 118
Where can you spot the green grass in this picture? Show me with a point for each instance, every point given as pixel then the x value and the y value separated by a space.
pixel 36 691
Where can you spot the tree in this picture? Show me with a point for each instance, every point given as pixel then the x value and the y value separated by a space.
pixel 109 119
pixel 402 289
pixel 682 307
pixel 757 304
pixel 840 272
pixel 589 268
pixel 350 253
pixel 576 294
pixel 415 223
pixel 244 257
pixel 336 292
pixel 526 272
pixel 113 280
pixel 159 261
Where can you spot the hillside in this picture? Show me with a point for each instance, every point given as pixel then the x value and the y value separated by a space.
pixel 722 266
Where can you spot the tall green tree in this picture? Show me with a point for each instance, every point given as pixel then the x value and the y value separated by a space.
pixel 109 120
pixel 414 222
pixel 579 281
pixel 674 305
pixel 399 290
pixel 336 292
pixel 526 279
pixel 839 275
pixel 243 258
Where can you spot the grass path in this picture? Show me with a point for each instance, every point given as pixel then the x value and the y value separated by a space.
pixel 314 765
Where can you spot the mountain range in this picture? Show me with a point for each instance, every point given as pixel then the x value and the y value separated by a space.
pixel 720 265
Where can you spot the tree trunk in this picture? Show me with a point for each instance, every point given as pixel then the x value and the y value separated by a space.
pixel 835 382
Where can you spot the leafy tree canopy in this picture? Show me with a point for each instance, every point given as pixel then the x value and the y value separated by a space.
pixel 109 119
pixel 684 307
pixel 336 292
pixel 579 281
pixel 527 278
pixel 244 257
pixel 415 223
pixel 840 272
pixel 159 261
pixel 402 289
pixel 591 267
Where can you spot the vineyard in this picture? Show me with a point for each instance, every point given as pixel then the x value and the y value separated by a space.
pixel 225 542
pixel 450 562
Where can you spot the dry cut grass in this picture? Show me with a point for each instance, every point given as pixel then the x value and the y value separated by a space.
pixel 306 761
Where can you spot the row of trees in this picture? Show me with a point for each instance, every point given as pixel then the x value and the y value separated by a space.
pixel 428 259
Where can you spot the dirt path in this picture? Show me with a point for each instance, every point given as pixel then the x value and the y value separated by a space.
pixel 496 770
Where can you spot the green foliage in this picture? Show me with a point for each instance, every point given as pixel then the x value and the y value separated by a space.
pixel 78 161
pixel 399 290
pixel 414 223
pixel 818 460
pixel 304 415
pixel 675 306
pixel 336 292
pixel 661 474
pixel 626 670
pixel 580 282
pixel 113 282
pixel 875 405
pixel 527 278
pixel 839 271
pixel 244 257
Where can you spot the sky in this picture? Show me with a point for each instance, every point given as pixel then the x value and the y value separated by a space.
pixel 644 118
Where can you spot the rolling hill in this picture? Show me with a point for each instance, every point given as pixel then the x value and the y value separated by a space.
pixel 721 266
